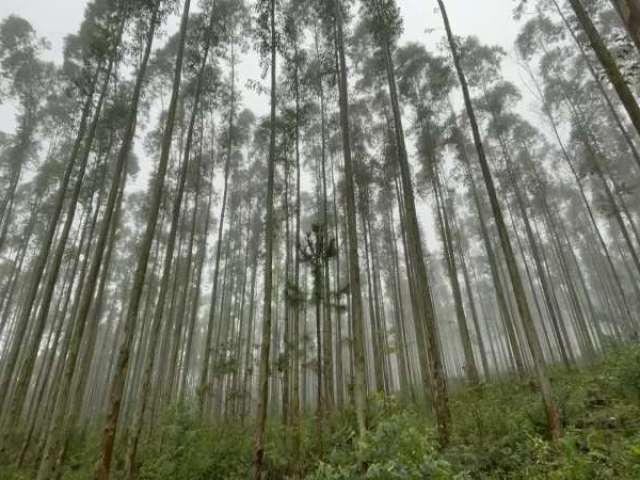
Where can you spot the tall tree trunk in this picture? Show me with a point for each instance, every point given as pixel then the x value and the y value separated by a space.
pixel 629 11
pixel 52 277
pixel 204 383
pixel 599 83
pixel 551 409
pixel 378 369
pixel 40 263
pixel 357 322
pixel 118 382
pixel 263 379
pixel 608 63
pixel 425 313
pixel 470 367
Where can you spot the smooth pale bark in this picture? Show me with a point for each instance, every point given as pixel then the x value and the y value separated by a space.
pixel 615 115
pixel 553 416
pixel 467 282
pixel 568 160
pixel 327 331
pixel 40 263
pixel 248 357
pixel 420 337
pixel 555 314
pixel 63 329
pixel 204 382
pixel 295 360
pixel 136 427
pixel 286 374
pixel 608 63
pixel 193 312
pixel 629 11
pixel 263 379
pixel 470 366
pixel 500 292
pixel 425 312
pixel 357 322
pixel 58 430
pixel 117 384
pixel 18 264
pixel 183 320
pixel 398 311
pixel 40 320
pixel 381 324
pixel 59 433
pixel 116 186
pixel 378 369
pixel 88 356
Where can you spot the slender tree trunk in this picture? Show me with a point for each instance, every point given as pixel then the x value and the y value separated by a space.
pixel 552 412
pixel 357 322
pixel 263 379
pixel 470 367
pixel 40 263
pixel 608 63
pixel 118 382
pixel 204 383
pixel 629 11
pixel 425 312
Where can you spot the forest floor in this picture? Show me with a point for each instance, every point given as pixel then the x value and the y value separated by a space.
pixel 497 433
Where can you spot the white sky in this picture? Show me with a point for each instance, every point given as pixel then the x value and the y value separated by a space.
pixel 490 20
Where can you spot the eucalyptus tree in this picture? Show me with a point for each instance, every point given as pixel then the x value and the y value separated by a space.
pixel 99 50
pixel 319 79
pixel 540 33
pixel 629 11
pixel 224 359
pixel 41 260
pixel 23 71
pixel 425 81
pixel 183 366
pixel 460 143
pixel 24 79
pixel 314 250
pixel 532 156
pixel 608 63
pixel 370 114
pixel 498 101
pixel 285 153
pixel 564 94
pixel 204 36
pixel 199 180
pixel 535 347
pixel 268 47
pixel 390 262
pixel 386 27
pixel 118 381
pixel 32 200
pixel 334 17
pixel 234 14
pixel 365 173
pixel 296 19
pixel 606 60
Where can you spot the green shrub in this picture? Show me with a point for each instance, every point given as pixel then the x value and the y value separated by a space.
pixel 399 446
pixel 497 432
pixel 625 372
pixel 186 449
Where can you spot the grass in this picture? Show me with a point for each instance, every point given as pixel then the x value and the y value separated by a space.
pixel 498 432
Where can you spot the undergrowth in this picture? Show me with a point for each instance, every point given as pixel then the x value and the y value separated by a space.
pixel 498 432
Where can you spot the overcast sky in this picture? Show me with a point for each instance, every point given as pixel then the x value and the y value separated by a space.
pixel 488 19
